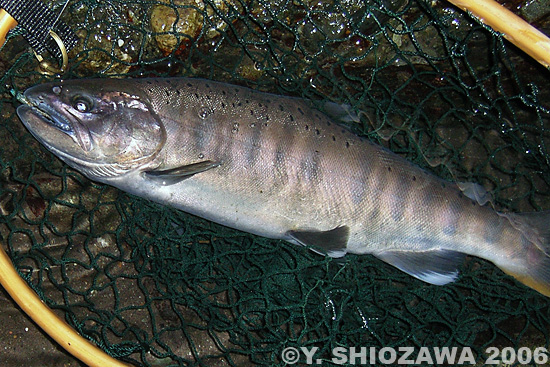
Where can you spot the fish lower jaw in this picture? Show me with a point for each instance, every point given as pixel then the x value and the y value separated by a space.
pixel 103 171
pixel 93 171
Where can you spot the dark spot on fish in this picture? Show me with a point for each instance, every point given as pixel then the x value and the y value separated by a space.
pixel 347 144
pixel 223 92
pixel 149 82
pixel 443 185
pixel 389 169
pixel 233 104
pixel 317 132
pixel 265 123
pixel 333 138
pixel 375 214
pixel 178 92
pixel 281 107
pixel 460 195
pixel 309 168
pixel 239 104
pixel 397 213
pixel 223 105
pixel 261 191
pixel 150 90
pixel 414 178
pixel 291 118
pixel 300 110
pixel 449 229
pixel 207 85
pixel 167 93
pixel 246 101
pixel 208 96
pixel 236 90
pixel 328 123
pixel 474 203
pixel 317 151
pixel 307 127
pixel 259 105
pixel 189 84
pixel 197 95
pixel 493 234
pixel 279 158
pixel 251 112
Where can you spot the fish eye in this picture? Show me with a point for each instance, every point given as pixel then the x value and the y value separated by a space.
pixel 82 104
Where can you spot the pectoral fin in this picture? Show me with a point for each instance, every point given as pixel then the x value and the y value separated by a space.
pixel 174 175
pixel 435 267
pixel 333 242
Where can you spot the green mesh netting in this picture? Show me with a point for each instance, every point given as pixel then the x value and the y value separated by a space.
pixel 154 286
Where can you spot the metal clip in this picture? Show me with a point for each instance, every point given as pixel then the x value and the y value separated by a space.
pixel 45 66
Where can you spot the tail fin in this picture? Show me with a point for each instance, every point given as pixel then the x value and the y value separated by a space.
pixel 534 270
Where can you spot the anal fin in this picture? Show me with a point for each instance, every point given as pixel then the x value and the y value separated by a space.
pixel 332 242
pixel 435 266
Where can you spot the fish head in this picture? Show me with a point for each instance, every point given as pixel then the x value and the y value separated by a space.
pixel 101 129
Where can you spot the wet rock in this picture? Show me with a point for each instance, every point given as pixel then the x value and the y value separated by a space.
pixel 177 27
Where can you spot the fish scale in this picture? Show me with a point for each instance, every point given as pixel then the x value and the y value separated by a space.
pixel 275 167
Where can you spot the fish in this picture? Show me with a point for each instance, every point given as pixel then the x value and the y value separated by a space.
pixel 275 167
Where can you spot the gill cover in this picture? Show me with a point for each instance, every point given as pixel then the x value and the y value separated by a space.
pixel 101 127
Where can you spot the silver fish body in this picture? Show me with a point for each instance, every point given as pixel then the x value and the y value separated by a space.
pixel 273 166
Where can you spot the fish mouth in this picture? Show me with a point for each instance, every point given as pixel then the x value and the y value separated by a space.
pixel 49 116
pixel 37 114
pixel 51 132
pixel 56 134
pixel 44 111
